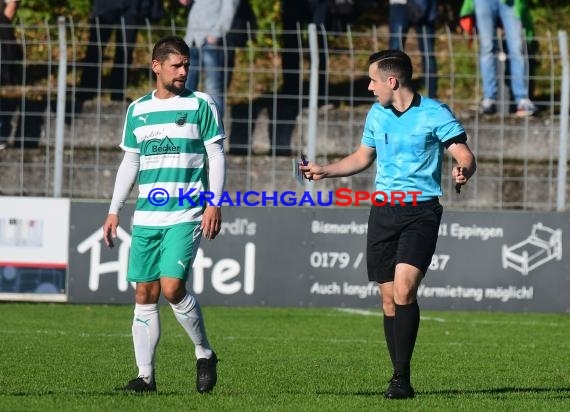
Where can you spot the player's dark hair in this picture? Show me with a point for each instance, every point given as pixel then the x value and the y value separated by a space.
pixel 394 63
pixel 169 45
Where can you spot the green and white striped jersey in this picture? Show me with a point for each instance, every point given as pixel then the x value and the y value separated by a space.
pixel 170 136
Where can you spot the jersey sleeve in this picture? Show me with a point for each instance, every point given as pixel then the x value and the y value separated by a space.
pixel 370 129
pixel 446 124
pixel 129 140
pixel 211 125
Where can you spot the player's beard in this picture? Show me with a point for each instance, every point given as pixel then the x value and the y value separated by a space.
pixel 173 88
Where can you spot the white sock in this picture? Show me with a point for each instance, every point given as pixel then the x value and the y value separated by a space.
pixel 146 334
pixel 189 315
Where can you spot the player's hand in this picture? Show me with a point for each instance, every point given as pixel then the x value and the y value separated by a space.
pixel 211 222
pixel 110 229
pixel 212 39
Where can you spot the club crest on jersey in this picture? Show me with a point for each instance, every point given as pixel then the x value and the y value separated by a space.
pixel 181 119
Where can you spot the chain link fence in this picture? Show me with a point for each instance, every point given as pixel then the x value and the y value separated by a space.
pixel 54 146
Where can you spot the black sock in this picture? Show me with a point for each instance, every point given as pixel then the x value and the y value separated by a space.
pixel 390 338
pixel 406 325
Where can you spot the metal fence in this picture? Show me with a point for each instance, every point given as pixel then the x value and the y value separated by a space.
pixel 55 150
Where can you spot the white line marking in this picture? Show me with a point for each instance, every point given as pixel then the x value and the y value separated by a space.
pixel 359 312
pixel 378 313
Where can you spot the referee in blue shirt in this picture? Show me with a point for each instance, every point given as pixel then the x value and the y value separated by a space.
pixel 406 134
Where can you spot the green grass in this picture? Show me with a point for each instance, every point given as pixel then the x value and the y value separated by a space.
pixel 71 357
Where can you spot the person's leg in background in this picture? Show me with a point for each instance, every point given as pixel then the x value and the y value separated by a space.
pixel 208 59
pixel 284 111
pixel 213 65
pixel 243 113
pixel 284 117
pixel 99 35
pixel 398 25
pixel 90 81
pixel 518 66
pixel 229 50
pixel 294 14
pixel 243 117
pixel 320 17
pixel 11 73
pixel 195 67
pixel 30 123
pixel 426 43
pixel 8 106
pixel 486 14
pixel 126 37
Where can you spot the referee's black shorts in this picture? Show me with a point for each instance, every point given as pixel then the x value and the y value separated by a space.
pixel 401 234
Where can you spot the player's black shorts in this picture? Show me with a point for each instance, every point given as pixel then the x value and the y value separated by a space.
pixel 401 234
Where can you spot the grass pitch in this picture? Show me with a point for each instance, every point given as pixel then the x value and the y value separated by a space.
pixel 57 357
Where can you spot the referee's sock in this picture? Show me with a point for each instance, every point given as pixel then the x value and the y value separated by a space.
pixel 406 325
pixel 390 338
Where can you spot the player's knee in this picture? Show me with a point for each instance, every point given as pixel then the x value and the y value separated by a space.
pixel 173 294
pixel 388 307
pixel 146 293
pixel 404 297
pixel 404 294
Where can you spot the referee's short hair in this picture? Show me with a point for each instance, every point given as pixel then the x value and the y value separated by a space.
pixel 394 63
pixel 170 45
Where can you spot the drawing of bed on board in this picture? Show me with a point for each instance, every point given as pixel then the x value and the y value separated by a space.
pixel 542 245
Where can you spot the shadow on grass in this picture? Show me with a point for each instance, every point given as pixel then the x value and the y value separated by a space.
pixel 114 392
pixel 555 393
pixel 562 393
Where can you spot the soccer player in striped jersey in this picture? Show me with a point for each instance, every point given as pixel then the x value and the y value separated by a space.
pixel 173 145
pixel 405 134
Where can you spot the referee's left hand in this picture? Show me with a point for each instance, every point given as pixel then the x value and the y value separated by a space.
pixel 312 171
pixel 458 175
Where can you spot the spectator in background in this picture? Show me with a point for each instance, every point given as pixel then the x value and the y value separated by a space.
pixel 209 21
pixel 296 15
pixel 515 20
pixel 421 15
pixel 10 68
pixel 244 22
pixel 28 109
pixel 288 100
pixel 342 13
pixel 121 17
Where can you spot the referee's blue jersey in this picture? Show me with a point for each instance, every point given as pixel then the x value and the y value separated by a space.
pixel 409 145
